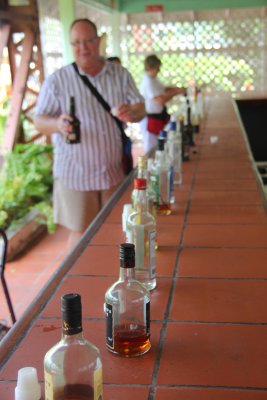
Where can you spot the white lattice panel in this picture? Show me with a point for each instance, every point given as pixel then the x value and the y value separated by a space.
pixel 221 50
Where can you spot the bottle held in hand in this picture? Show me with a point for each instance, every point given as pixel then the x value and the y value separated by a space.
pixel 74 136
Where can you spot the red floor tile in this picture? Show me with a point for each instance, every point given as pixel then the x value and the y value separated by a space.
pixel 228 184
pixel 233 198
pixel 165 261
pixel 223 263
pixel 109 234
pixel 220 300
pixel 98 260
pixel 128 392
pixel 226 235
pixel 171 393
pixel 226 214
pixel 169 234
pixel 214 355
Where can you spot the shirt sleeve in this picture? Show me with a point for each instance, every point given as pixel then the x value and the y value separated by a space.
pixel 48 103
pixel 133 95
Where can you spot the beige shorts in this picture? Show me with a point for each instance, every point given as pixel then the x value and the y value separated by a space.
pixel 75 210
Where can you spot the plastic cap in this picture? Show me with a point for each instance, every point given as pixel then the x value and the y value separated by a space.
pixel 140 183
pixel 127 255
pixel 28 387
pixel 161 143
pixel 71 309
pixel 163 134
pixel 173 125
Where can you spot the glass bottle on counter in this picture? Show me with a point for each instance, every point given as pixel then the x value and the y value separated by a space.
pixel 175 151
pixel 74 136
pixel 72 368
pixel 160 178
pixel 142 227
pixel 127 306
pixel 144 173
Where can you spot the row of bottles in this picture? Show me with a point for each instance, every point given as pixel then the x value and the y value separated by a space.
pixel 73 367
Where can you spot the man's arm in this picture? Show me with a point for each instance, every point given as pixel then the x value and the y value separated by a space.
pixel 169 93
pixel 48 125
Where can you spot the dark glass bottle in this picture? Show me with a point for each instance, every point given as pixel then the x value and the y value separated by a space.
pixel 74 136
pixel 127 305
pixel 72 368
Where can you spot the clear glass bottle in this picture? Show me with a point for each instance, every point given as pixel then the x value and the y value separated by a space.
pixel 144 173
pixel 160 178
pixel 74 136
pixel 142 227
pixel 175 152
pixel 72 368
pixel 127 306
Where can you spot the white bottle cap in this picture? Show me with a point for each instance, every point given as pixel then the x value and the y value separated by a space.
pixel 127 209
pixel 28 387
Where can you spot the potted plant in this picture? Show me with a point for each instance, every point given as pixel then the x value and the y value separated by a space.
pixel 25 193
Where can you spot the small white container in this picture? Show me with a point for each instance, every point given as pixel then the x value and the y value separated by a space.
pixel 28 387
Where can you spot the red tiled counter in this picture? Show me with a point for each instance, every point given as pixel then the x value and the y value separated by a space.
pixel 209 318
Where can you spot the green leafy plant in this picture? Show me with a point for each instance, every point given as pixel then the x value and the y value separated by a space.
pixel 26 183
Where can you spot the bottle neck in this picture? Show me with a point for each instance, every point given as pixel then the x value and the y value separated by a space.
pixel 141 200
pixel 72 338
pixel 159 157
pixel 141 173
pixel 126 274
pixel 72 107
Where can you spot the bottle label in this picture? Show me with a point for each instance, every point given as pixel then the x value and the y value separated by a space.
pixel 98 384
pixel 155 187
pixel 152 254
pixel 139 246
pixel 148 319
pixel 49 390
pixel 109 326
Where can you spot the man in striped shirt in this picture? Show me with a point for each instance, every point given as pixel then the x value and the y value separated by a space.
pixel 86 174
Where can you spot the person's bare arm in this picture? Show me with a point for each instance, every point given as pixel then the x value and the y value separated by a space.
pixel 131 112
pixel 48 125
pixel 169 93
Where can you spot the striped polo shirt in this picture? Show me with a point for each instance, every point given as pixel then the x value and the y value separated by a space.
pixel 95 163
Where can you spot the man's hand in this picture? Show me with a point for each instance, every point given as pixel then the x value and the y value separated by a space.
pixel 63 124
pixel 130 112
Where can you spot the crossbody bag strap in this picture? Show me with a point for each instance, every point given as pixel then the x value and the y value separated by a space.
pixel 101 100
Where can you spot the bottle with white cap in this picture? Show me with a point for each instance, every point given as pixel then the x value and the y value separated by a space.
pixel 28 387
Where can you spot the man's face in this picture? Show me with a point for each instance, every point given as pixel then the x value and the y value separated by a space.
pixel 85 44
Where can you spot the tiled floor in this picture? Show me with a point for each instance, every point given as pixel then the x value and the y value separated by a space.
pixel 208 316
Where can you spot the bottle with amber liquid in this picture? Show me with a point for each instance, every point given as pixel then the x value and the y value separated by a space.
pixel 127 306
pixel 160 178
pixel 74 136
pixel 73 368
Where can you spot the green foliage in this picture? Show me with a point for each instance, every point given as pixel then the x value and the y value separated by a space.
pixel 25 183
pixel 4 109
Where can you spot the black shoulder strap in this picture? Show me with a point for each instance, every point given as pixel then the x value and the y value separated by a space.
pixel 101 100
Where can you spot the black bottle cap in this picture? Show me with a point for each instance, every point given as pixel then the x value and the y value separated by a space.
pixel 71 308
pixel 161 143
pixel 127 255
